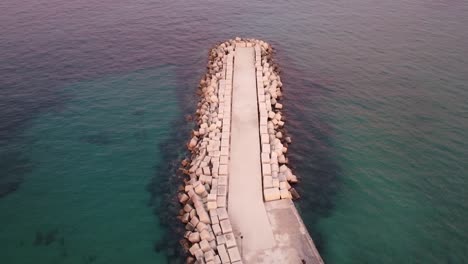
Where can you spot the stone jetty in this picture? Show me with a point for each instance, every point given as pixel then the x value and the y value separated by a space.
pixel 237 199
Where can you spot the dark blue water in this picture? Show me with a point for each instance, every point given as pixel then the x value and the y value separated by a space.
pixel 94 96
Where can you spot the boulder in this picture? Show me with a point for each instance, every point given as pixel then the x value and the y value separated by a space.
pixel 203 215
pixel 294 194
pixel 282 159
pixel 200 189
pixel 193 143
pixel 194 248
pixel 194 237
pixel 205 246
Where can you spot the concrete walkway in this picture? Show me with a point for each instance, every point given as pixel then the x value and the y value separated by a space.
pixel 273 232
pixel 246 208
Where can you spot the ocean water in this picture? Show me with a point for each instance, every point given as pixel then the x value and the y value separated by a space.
pixel 94 97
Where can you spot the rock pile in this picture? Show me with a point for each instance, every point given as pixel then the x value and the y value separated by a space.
pixel 209 237
pixel 276 174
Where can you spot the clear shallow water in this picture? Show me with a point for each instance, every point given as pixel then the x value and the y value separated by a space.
pixel 93 96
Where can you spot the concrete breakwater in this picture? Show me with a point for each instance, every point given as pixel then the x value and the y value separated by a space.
pixel 237 196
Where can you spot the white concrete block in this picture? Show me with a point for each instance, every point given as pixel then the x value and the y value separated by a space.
pixel 271 194
pixel 222 213
pixel 223 170
pixel 222 252
pixel 224 160
pixel 221 201
pixel 230 240
pixel 267 182
pixel 226 225
pixel 266 169
pixel 234 254
pixel 222 180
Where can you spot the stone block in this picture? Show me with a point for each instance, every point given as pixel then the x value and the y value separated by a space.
pixel 194 237
pixel 194 221
pixel 222 180
pixel 214 219
pixel 263 129
pixel 209 256
pixel 221 201
pixel 281 177
pixel 205 179
pixel 264 138
pixel 201 226
pixel 189 227
pixel 230 240
pixel 225 143
pixel 266 169
pixel 205 246
pixel 234 254
pixel 203 215
pixel 223 170
pixel 217 259
pixel 285 194
pixel 214 185
pixel 194 248
pixel 276 183
pixel 226 226
pixel 211 197
pixel 221 240
pixel 193 213
pixel 205 234
pixel 212 205
pixel 224 151
pixel 216 229
pixel 267 182
pixel 222 190
pixel 271 194
pixel 224 160
pixel 265 158
pixel 185 218
pixel 266 148
pixel 199 255
pixel 283 185
pixel 222 213
pixel 222 252
pixel 261 98
pixel 274 166
pixel 188 208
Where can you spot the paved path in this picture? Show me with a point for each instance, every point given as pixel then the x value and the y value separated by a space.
pixel 273 232
pixel 246 208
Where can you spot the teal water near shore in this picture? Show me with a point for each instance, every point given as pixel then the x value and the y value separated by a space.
pixel 94 97
pixel 84 201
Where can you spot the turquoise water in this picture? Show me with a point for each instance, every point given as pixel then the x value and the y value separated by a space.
pixel 85 199
pixel 94 96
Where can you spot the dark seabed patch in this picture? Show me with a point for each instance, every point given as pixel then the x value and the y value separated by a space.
pixel 102 138
pixel 163 189
pixel 13 168
pixel 46 238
